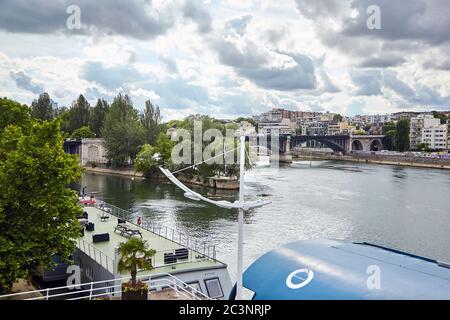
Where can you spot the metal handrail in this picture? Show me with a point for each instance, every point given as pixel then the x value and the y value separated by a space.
pixel 163 231
pixel 177 285
pixel 157 260
pixel 109 266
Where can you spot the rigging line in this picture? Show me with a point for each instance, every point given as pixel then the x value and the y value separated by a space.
pixel 196 164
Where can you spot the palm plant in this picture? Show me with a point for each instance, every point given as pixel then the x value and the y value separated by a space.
pixel 135 255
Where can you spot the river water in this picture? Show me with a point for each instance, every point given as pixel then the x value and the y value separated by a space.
pixel 399 207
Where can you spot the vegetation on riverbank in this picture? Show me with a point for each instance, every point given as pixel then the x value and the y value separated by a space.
pixel 38 212
pixel 151 157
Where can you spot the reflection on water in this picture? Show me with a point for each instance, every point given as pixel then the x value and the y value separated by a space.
pixel 404 208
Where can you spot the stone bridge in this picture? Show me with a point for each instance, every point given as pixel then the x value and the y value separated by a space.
pixel 345 144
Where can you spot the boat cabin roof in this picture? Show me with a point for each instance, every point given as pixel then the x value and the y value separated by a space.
pixel 104 252
pixel 331 270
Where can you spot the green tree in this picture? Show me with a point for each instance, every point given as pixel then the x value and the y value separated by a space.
pixel 82 133
pixel 402 136
pixel 122 131
pixel 147 160
pixel 249 120
pixel 63 115
pixel 441 116
pixel 164 148
pixel 389 131
pixel 42 108
pixel 79 114
pixel 338 118
pixel 97 116
pixel 37 210
pixel 134 255
pixel 13 113
pixel 388 126
pixel 151 120
pixel 424 147
pixel 360 132
pixel 389 140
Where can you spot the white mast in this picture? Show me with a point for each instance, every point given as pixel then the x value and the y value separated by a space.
pixel 240 221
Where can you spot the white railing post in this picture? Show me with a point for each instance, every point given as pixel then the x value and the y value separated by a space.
pixel 176 295
pixel 46 296
pixel 90 291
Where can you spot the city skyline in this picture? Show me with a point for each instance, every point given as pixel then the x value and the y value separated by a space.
pixel 230 58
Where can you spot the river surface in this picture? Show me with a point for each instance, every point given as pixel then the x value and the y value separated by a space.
pixel 403 208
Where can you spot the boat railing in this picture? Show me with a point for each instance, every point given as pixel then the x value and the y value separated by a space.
pixel 97 255
pixel 178 237
pixel 112 287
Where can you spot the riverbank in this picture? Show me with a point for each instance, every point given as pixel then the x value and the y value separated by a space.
pixel 118 172
pixel 383 160
pixel 220 183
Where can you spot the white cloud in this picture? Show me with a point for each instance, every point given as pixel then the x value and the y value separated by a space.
pixel 236 57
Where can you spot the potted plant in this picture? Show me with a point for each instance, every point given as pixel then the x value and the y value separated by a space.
pixel 135 255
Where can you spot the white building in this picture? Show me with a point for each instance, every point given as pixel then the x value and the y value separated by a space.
pixel 285 126
pixel 418 124
pixel 246 129
pixel 378 118
pixel 93 151
pixel 448 135
pixel 435 137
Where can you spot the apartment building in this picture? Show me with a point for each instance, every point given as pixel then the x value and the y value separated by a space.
pixel 448 135
pixel 377 119
pixel 436 137
pixel 417 126
pixel 340 128
pixel 285 126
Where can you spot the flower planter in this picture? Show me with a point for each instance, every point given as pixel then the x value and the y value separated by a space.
pixel 137 292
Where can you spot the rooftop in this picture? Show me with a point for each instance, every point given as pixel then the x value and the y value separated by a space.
pixel 161 239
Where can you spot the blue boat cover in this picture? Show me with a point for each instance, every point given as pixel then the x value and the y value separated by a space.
pixel 335 270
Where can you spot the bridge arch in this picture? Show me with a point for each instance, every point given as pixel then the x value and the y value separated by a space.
pixel 325 140
pixel 357 146
pixel 376 145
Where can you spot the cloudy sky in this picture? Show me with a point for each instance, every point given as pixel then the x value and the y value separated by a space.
pixel 232 57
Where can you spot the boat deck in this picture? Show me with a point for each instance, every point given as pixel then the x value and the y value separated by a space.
pixel 104 252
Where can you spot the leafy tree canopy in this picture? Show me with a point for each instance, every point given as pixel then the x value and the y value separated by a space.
pixel 42 108
pixel 13 113
pixel 147 160
pixel 122 131
pixel 79 114
pixel 402 136
pixel 37 210
pixel 135 255
pixel 151 120
pixel 82 133
pixel 97 116
pixel 338 118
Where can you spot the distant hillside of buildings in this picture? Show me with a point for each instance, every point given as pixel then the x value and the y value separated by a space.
pixel 427 129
